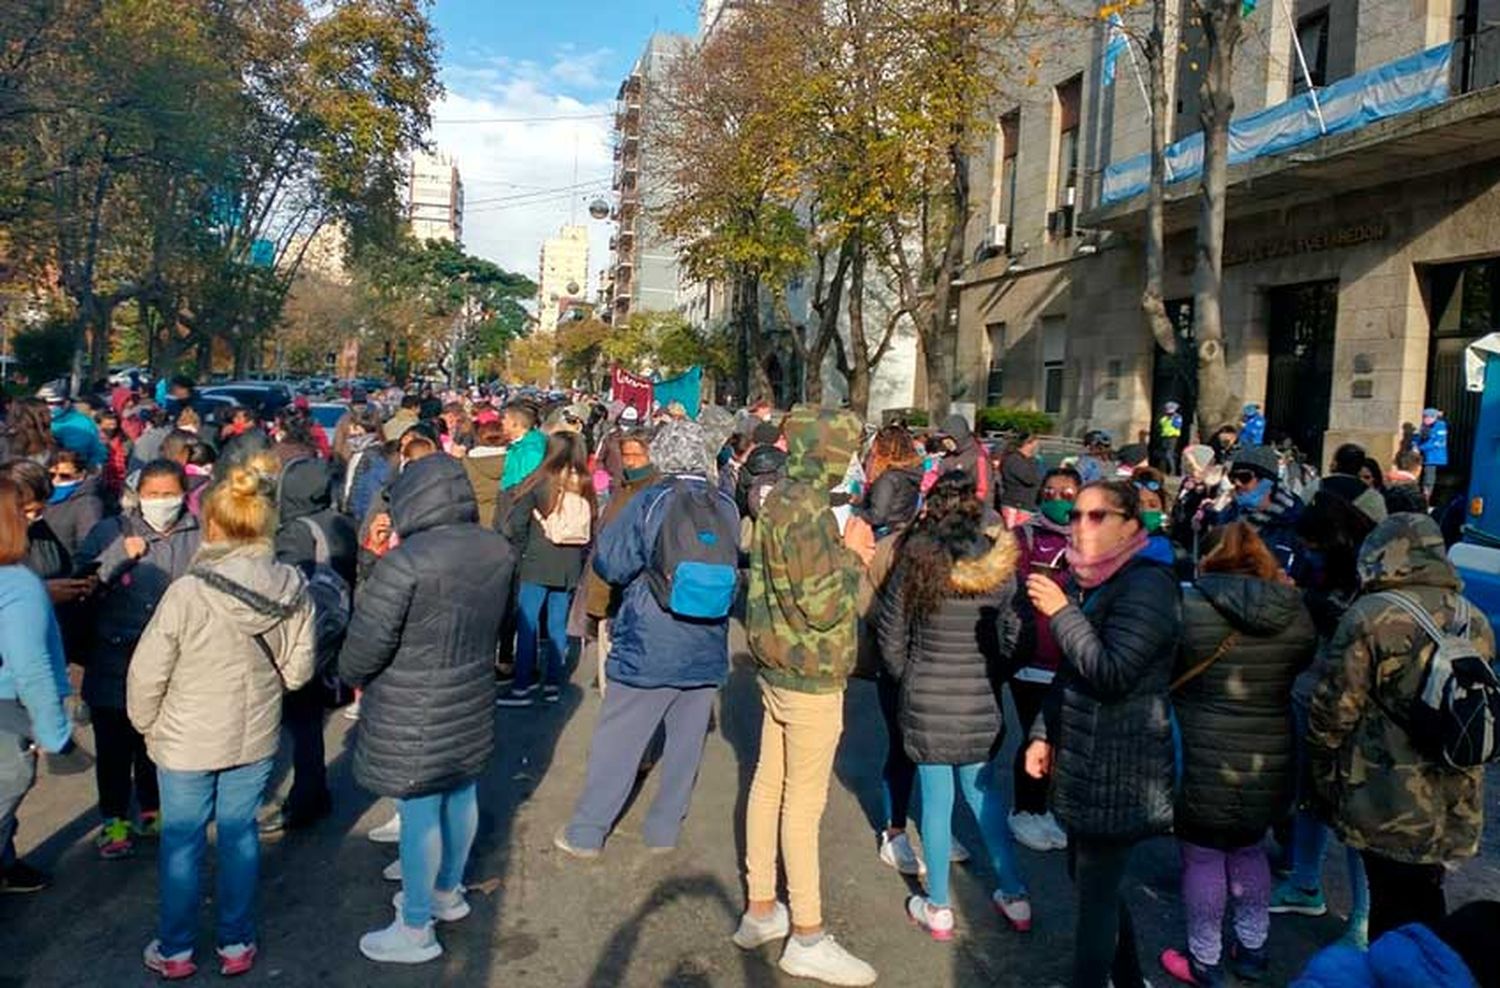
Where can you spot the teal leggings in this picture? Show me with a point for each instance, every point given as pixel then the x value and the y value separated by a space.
pixel 989 808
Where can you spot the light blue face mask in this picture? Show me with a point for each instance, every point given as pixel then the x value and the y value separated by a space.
pixel 1253 498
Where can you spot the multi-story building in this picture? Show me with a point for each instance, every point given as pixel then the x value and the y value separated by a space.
pixel 564 275
pixel 435 198
pixel 646 275
pixel 1361 246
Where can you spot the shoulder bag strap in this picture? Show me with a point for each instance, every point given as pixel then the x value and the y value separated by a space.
pixel 1230 640
pixel 321 555
pixel 264 646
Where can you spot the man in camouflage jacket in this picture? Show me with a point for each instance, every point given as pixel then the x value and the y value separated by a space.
pixel 1406 813
pixel 801 619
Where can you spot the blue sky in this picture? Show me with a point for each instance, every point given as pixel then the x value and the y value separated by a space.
pixel 505 65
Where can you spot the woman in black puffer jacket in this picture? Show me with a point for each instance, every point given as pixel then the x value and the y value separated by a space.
pixel 1246 635
pixel 948 626
pixel 1105 734
pixel 422 644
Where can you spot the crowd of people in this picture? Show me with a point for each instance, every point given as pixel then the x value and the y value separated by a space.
pixel 1244 658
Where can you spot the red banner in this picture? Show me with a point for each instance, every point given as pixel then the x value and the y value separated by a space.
pixel 631 389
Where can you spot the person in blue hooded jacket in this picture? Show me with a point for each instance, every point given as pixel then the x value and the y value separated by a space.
pixel 662 671
pixel 1458 953
pixel 73 429
pixel 1432 443
pixel 1252 426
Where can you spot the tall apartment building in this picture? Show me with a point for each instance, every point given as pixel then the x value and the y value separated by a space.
pixel 646 276
pixel 435 198
pixel 564 274
pixel 1361 254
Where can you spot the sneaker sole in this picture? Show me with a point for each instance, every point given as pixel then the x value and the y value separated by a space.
pixel 452 916
pixel 514 704
pixel 941 936
pixel 814 974
pixel 384 838
pixel 420 957
pixel 21 889
pixel 116 854
pixel 761 941
pixel 1313 911
pixel 581 853
pixel 235 968
pixel 167 974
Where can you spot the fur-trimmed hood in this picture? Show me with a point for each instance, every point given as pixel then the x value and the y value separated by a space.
pixel 989 569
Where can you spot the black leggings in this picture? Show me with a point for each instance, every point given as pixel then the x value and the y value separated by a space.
pixel 1403 893
pixel 122 759
pixel 1103 936
pixel 1030 794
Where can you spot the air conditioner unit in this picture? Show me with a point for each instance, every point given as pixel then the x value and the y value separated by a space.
pixel 1070 196
pixel 999 237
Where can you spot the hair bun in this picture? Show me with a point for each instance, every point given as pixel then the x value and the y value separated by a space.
pixel 250 481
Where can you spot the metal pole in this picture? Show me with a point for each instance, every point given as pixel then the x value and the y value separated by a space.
pixel 1306 75
pixel 1146 96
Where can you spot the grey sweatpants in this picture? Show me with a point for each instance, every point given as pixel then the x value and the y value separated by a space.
pixel 627 720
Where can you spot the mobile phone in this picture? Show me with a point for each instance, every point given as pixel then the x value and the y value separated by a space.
pixel 83 571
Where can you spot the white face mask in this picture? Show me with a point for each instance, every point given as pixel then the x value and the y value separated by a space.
pixel 161 513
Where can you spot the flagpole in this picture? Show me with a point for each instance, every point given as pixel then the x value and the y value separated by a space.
pixel 1135 65
pixel 1306 75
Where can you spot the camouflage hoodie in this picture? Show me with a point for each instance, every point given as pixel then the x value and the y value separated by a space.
pixel 1377 790
pixel 802 613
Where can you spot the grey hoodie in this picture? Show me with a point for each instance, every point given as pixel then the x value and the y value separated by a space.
pixel 201 690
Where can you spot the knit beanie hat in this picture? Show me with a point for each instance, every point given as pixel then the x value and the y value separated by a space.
pixel 1263 460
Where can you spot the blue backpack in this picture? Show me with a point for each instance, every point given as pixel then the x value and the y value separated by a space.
pixel 694 570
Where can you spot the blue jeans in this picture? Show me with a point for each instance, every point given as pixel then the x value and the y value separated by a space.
pixel 437 833
pixel 531 600
pixel 989 808
pixel 188 801
pixel 1310 839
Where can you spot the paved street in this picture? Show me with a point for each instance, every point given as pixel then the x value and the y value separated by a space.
pixel 630 918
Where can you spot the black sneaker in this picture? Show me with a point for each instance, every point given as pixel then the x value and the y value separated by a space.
pixel 517 697
pixel 284 818
pixel 21 877
pixel 551 694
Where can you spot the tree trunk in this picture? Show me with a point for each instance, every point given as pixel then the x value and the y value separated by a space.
pixel 1153 304
pixel 753 357
pixel 1221 30
pixel 827 308
pixel 859 362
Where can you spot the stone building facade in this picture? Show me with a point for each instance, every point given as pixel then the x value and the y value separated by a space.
pixel 1357 265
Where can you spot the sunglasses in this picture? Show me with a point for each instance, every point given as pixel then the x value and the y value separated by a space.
pixel 1095 516
pixel 1243 477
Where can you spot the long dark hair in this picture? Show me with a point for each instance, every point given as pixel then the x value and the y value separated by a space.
pixel 564 467
pixel 948 528
pixel 30 430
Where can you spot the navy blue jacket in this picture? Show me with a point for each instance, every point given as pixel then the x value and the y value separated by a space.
pixel 651 648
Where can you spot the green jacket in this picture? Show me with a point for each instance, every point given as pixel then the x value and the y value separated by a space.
pixel 1380 793
pixel 802 613
pixel 523 456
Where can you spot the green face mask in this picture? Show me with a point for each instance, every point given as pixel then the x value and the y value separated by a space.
pixel 1152 520
pixel 1057 511
pixel 637 473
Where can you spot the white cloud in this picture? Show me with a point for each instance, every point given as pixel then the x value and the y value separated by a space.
pixel 533 160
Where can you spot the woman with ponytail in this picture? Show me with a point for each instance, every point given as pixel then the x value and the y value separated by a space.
pixel 204 689
pixel 948 626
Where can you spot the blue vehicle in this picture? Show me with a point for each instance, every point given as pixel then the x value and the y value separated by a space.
pixel 1477 557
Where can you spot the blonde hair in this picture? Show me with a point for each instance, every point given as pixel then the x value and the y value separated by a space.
pixel 242 506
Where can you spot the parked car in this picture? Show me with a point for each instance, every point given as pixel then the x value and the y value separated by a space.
pixel 328 414
pixel 266 397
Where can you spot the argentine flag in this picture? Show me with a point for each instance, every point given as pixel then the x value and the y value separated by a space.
pixel 1114 47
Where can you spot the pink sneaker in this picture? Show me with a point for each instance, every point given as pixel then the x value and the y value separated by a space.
pixel 936 920
pixel 1015 910
pixel 237 958
pixel 174 968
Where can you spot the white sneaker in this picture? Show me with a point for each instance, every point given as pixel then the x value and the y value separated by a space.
pixel 388 832
pixel 936 920
pixel 897 852
pixel 401 944
pixel 447 907
pixel 1030 832
pixel 827 962
pixel 392 871
pixel 1054 830
pixel 755 932
pixel 957 853
pixel 351 712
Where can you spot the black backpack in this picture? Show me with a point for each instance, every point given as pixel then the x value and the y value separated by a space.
pixel 1455 716
pixel 694 570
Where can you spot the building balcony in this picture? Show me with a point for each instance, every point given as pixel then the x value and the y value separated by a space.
pixel 625 173
pixel 1421 115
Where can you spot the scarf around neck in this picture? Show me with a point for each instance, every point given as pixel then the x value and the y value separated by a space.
pixel 1091 571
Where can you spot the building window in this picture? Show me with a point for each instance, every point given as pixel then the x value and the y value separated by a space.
pixel 1054 354
pixel 1312 36
pixel 1010 147
pixel 1113 371
pixel 1069 104
pixel 994 390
